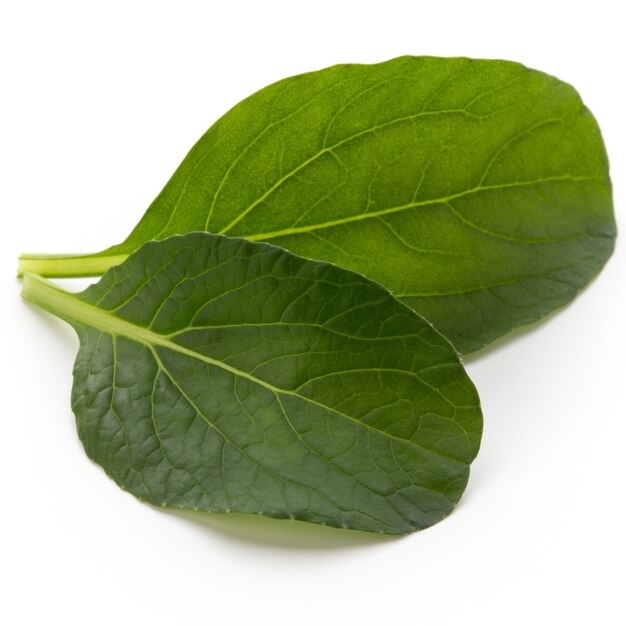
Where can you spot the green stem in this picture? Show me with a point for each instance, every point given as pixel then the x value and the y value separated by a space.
pixel 72 309
pixel 51 298
pixel 67 266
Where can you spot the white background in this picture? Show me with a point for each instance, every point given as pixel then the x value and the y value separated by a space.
pixel 99 102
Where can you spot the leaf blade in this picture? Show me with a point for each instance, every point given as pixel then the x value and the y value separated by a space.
pixel 332 402
pixel 434 177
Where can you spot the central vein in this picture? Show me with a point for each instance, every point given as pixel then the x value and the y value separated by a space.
pixel 67 306
pixel 48 296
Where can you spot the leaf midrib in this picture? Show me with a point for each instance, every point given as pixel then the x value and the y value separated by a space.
pixel 324 150
pixel 70 308
pixel 427 202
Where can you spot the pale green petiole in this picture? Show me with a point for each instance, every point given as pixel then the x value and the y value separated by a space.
pixel 67 266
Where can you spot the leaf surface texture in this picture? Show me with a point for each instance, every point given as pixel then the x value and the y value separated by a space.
pixel 476 191
pixel 222 375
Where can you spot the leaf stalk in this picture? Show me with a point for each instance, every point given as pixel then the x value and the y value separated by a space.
pixel 67 265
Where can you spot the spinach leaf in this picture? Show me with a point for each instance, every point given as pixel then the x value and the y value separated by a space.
pixel 476 191
pixel 222 375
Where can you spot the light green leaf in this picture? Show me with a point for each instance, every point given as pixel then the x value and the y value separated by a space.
pixel 476 191
pixel 223 375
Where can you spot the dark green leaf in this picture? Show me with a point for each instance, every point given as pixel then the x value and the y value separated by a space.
pixel 218 374
pixel 476 191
